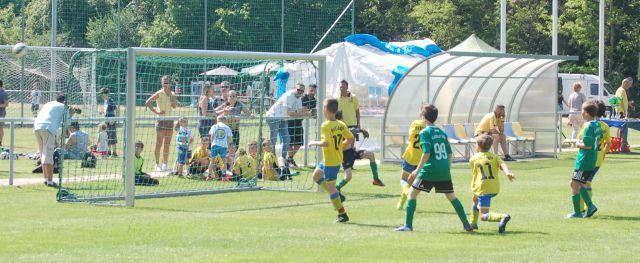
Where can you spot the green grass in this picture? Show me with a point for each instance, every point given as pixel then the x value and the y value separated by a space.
pixel 297 226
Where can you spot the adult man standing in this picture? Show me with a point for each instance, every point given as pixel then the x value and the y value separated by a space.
pixel 575 105
pixel 623 108
pixel 110 110
pixel 296 131
pixel 309 100
pixel 4 103
pixel 493 124
pixel 288 105
pixel 45 127
pixel 348 104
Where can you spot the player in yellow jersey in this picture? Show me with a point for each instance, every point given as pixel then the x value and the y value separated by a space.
pixel 485 183
pixel 334 136
pixel 411 158
pixel 603 147
pixel 244 167
pixel 269 163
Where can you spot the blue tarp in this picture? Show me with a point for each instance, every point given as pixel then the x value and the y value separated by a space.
pixel 281 78
pixel 425 49
pixel 398 72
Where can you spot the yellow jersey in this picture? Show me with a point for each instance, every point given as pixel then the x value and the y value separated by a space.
pixel 199 153
pixel 606 139
pixel 485 167
pixel 490 122
pixel 245 166
pixel 349 105
pixel 268 162
pixel 334 132
pixel 624 103
pixel 413 152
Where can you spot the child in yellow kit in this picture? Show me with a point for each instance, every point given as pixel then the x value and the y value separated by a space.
pixel 485 183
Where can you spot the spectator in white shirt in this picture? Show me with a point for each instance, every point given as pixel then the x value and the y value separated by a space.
pixel 287 106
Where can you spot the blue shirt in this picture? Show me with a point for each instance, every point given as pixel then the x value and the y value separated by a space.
pixel 109 108
pixel 4 97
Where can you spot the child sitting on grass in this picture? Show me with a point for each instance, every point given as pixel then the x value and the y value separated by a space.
pixel 485 183
pixel 199 161
pixel 142 178
pixel 244 168
pixel 269 164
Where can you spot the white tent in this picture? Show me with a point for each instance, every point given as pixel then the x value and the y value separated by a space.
pixel 220 71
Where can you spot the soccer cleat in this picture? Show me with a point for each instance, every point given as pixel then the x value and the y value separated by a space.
pixel 377 182
pixel 342 218
pixel 469 229
pixel 503 223
pixel 52 184
pixel 474 226
pixel 574 215
pixel 592 210
pixel 342 197
pixel 403 228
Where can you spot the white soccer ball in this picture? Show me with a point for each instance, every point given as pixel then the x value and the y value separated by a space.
pixel 19 50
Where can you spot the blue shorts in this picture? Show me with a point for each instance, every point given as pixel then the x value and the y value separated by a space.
pixel 329 173
pixel 595 171
pixel 407 167
pixel 183 154
pixel 485 200
pixel 217 150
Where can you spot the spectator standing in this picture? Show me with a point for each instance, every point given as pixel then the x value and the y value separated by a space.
pixel 196 90
pixel 45 127
pixel 206 108
pixel 110 110
pixel 287 106
pixel 232 109
pixel 623 108
pixel 493 124
pixel 35 99
pixel 165 101
pixel 575 105
pixel 309 100
pixel 349 106
pixel 4 104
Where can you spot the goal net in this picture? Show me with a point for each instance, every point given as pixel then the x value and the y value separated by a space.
pixel 165 122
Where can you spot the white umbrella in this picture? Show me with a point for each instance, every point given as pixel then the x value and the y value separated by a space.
pixel 261 68
pixel 220 71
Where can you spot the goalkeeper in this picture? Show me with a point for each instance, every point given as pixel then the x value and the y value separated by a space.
pixel 351 155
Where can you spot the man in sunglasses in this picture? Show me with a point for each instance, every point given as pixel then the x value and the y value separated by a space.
pixel 288 106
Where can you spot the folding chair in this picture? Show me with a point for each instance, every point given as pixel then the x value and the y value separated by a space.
pixel 461 133
pixel 516 137
pixel 450 131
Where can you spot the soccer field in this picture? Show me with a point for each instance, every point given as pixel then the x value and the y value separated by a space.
pixel 298 226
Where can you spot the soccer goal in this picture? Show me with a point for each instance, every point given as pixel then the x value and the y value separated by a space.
pixel 146 99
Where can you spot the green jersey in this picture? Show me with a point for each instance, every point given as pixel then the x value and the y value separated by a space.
pixel 586 159
pixel 139 163
pixel 434 142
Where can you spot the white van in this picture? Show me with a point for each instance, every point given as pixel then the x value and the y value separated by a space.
pixel 589 86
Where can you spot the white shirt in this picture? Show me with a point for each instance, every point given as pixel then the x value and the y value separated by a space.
pixel 221 134
pixel 35 97
pixel 50 117
pixel 288 100
pixel 102 142
pixel 184 133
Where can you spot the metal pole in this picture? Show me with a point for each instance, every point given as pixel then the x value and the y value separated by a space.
pixel 331 27
pixel 281 27
pixel 601 51
pixel 503 26
pixel 130 126
pixel 554 34
pixel 118 25
pixel 206 23
pixel 322 84
pixel 306 142
pixel 54 36
pixel 353 17
pixel 12 127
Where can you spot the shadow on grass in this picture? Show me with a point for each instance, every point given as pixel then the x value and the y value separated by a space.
pixel 372 225
pixel 495 233
pixel 365 197
pixel 435 212
pixel 616 218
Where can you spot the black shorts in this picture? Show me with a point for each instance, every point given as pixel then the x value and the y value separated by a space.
pixel 296 132
pixel 112 135
pixel 350 156
pixel 236 137
pixel 443 187
pixel 582 176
